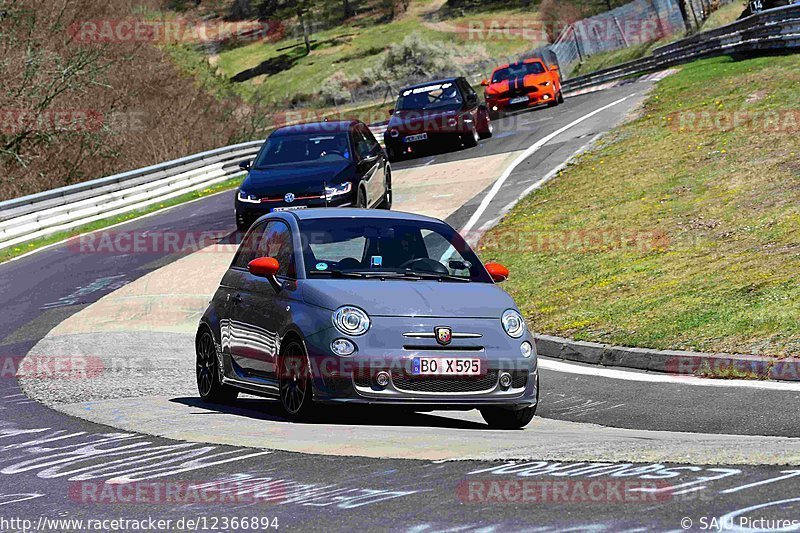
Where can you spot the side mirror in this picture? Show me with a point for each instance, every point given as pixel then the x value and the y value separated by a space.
pixel 485 83
pixel 391 112
pixel 554 68
pixel 244 165
pixel 263 267
pixel 498 272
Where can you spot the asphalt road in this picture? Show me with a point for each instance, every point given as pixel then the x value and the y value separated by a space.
pixel 49 461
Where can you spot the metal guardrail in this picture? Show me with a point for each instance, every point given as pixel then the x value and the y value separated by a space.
pixel 773 30
pixel 38 215
pixel 48 212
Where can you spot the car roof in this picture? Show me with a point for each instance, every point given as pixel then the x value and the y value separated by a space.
pixel 515 63
pixel 339 212
pixel 333 126
pixel 432 82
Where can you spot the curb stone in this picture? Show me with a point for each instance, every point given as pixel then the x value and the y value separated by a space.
pixel 676 362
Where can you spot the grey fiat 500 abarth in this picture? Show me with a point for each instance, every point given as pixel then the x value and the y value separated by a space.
pixel 337 306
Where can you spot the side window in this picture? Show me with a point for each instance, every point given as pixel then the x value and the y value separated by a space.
pixel 277 243
pixel 440 249
pixel 370 138
pixel 362 145
pixel 248 249
pixel 469 92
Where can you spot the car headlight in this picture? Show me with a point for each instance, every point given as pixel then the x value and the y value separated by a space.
pixel 343 347
pixel 249 198
pixel 394 133
pixel 338 190
pixel 351 320
pixel 513 323
pixel 545 84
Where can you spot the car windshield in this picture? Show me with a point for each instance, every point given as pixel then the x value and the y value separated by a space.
pixel 375 247
pixel 436 96
pixel 517 71
pixel 303 148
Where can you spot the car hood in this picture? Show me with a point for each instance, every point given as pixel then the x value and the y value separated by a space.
pixel 517 83
pixel 410 298
pixel 300 179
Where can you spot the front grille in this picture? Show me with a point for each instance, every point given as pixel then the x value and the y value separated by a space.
pixel 361 377
pixel 519 379
pixel 406 382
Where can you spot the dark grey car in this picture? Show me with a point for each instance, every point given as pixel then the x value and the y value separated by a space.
pixel 371 307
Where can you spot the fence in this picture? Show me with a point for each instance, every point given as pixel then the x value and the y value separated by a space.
pixel 638 22
pixel 775 30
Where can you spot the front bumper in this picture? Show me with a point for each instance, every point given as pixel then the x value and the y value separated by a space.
pixel 247 213
pixel 397 146
pixel 543 96
pixel 354 379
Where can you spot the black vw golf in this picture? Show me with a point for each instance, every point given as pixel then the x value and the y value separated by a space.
pixel 320 164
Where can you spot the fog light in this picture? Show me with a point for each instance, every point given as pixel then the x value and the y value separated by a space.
pixel 526 349
pixel 343 347
pixel 494 108
pixel 546 97
pixel 505 380
pixel 382 379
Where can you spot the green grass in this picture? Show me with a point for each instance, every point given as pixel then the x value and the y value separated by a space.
pixel 670 237
pixel 24 248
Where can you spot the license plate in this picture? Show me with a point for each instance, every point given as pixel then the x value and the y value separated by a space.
pixel 445 366
pixel 414 138
pixel 291 208
pixel 518 100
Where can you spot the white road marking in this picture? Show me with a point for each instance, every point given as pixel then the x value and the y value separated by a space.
pixel 525 155
pixel 603 372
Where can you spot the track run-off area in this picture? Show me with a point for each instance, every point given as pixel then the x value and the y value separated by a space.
pixel 608 450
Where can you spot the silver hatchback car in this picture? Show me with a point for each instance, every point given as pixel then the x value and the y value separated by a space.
pixel 344 306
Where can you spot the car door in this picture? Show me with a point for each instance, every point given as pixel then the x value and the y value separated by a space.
pixel 259 310
pixel 371 163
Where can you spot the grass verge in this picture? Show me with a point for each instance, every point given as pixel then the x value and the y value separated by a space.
pixel 30 246
pixel 680 230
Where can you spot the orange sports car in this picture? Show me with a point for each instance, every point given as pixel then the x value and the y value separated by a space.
pixel 522 85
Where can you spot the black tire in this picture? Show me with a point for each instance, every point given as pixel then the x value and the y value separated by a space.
pixel 393 155
pixel 489 131
pixel 560 97
pixel 495 115
pixel 387 195
pixel 209 383
pixel 509 418
pixel 361 199
pixel 506 418
pixel 294 382
pixel 241 223
pixel 470 139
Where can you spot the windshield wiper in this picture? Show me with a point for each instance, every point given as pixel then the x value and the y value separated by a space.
pixel 436 276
